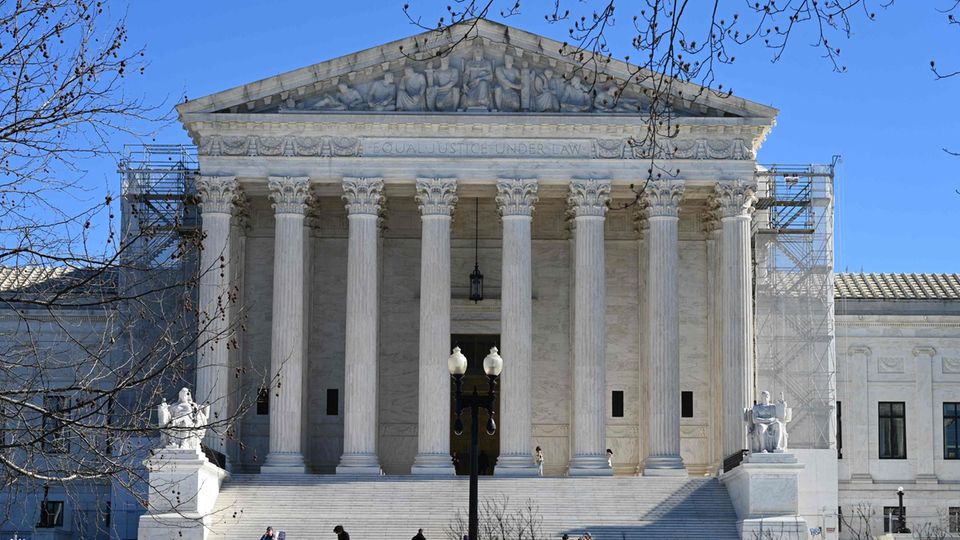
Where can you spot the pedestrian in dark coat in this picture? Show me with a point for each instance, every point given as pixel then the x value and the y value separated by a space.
pixel 419 535
pixel 341 534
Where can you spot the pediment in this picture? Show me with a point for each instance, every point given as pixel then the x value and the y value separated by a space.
pixel 492 69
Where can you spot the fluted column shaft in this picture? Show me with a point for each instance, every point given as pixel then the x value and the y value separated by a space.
pixel 436 198
pixel 663 320
pixel 735 200
pixel 289 196
pixel 515 199
pixel 364 198
pixel 217 196
pixel 588 199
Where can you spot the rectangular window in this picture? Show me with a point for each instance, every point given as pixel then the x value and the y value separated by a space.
pixel 686 404
pixel 51 514
pixel 263 401
pixel 951 430
pixel 618 403
pixel 839 517
pixel 333 401
pixel 839 430
pixel 54 431
pixel 107 509
pixel 891 517
pixel 893 430
pixel 953 516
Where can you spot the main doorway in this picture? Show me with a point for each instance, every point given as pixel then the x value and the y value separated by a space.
pixel 475 347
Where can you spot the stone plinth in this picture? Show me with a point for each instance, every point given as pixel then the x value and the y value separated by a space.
pixel 184 487
pixel 765 492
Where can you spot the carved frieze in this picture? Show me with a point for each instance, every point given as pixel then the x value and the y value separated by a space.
pixel 217 193
pixel 363 195
pixel 516 196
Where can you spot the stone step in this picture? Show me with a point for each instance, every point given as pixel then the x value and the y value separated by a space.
pixel 626 508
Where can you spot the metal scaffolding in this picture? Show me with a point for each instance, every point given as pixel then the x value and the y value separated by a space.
pixel 793 296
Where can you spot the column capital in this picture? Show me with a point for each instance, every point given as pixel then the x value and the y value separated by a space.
pixel 289 193
pixel 516 196
pixel 734 198
pixel 363 195
pixel 436 196
pixel 589 197
pixel 217 193
pixel 662 198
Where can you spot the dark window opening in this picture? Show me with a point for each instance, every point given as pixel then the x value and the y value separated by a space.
pixel 891 516
pixel 333 401
pixel 263 401
pixel 839 431
pixel 953 516
pixel 893 430
pixel 108 507
pixel 54 430
pixel 951 430
pixel 618 403
pixel 839 518
pixel 686 404
pixel 51 514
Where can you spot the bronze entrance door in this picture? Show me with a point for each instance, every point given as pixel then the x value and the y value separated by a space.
pixel 475 347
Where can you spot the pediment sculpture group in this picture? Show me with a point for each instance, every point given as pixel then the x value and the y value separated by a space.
pixel 476 85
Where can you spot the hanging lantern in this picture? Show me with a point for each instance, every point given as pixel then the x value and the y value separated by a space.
pixel 476 278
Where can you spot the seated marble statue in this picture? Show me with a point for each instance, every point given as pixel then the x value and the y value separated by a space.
pixel 383 94
pixel 767 424
pixel 444 94
pixel 477 76
pixel 346 99
pixel 507 92
pixel 183 424
pixel 576 97
pixel 411 91
pixel 547 90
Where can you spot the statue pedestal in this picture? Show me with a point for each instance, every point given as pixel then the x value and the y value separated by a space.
pixel 764 490
pixel 184 487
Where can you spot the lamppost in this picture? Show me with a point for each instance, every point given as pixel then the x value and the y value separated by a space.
pixel 901 519
pixel 492 366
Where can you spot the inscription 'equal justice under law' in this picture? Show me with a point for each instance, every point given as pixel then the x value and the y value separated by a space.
pixel 502 147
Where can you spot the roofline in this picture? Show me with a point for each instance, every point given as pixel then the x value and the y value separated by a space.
pixel 501 33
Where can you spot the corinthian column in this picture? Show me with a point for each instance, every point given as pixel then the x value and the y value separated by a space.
pixel 662 198
pixel 588 200
pixel 436 198
pixel 735 202
pixel 515 199
pixel 364 197
pixel 289 196
pixel 217 196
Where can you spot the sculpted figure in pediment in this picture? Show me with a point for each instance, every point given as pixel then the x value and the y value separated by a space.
pixel 477 77
pixel 507 93
pixel 383 94
pixel 345 99
pixel 444 92
pixel 576 96
pixel 611 100
pixel 411 92
pixel 547 90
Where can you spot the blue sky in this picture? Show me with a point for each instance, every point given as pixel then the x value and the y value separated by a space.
pixel 888 119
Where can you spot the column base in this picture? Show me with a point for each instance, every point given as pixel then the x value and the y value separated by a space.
pixel 590 465
pixel 433 464
pixel 664 466
pixel 359 465
pixel 515 465
pixel 283 463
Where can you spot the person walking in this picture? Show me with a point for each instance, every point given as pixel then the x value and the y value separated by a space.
pixel 341 533
pixel 609 458
pixel 268 535
pixel 419 535
pixel 538 459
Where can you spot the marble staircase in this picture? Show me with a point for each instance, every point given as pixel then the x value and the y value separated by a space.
pixel 620 508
